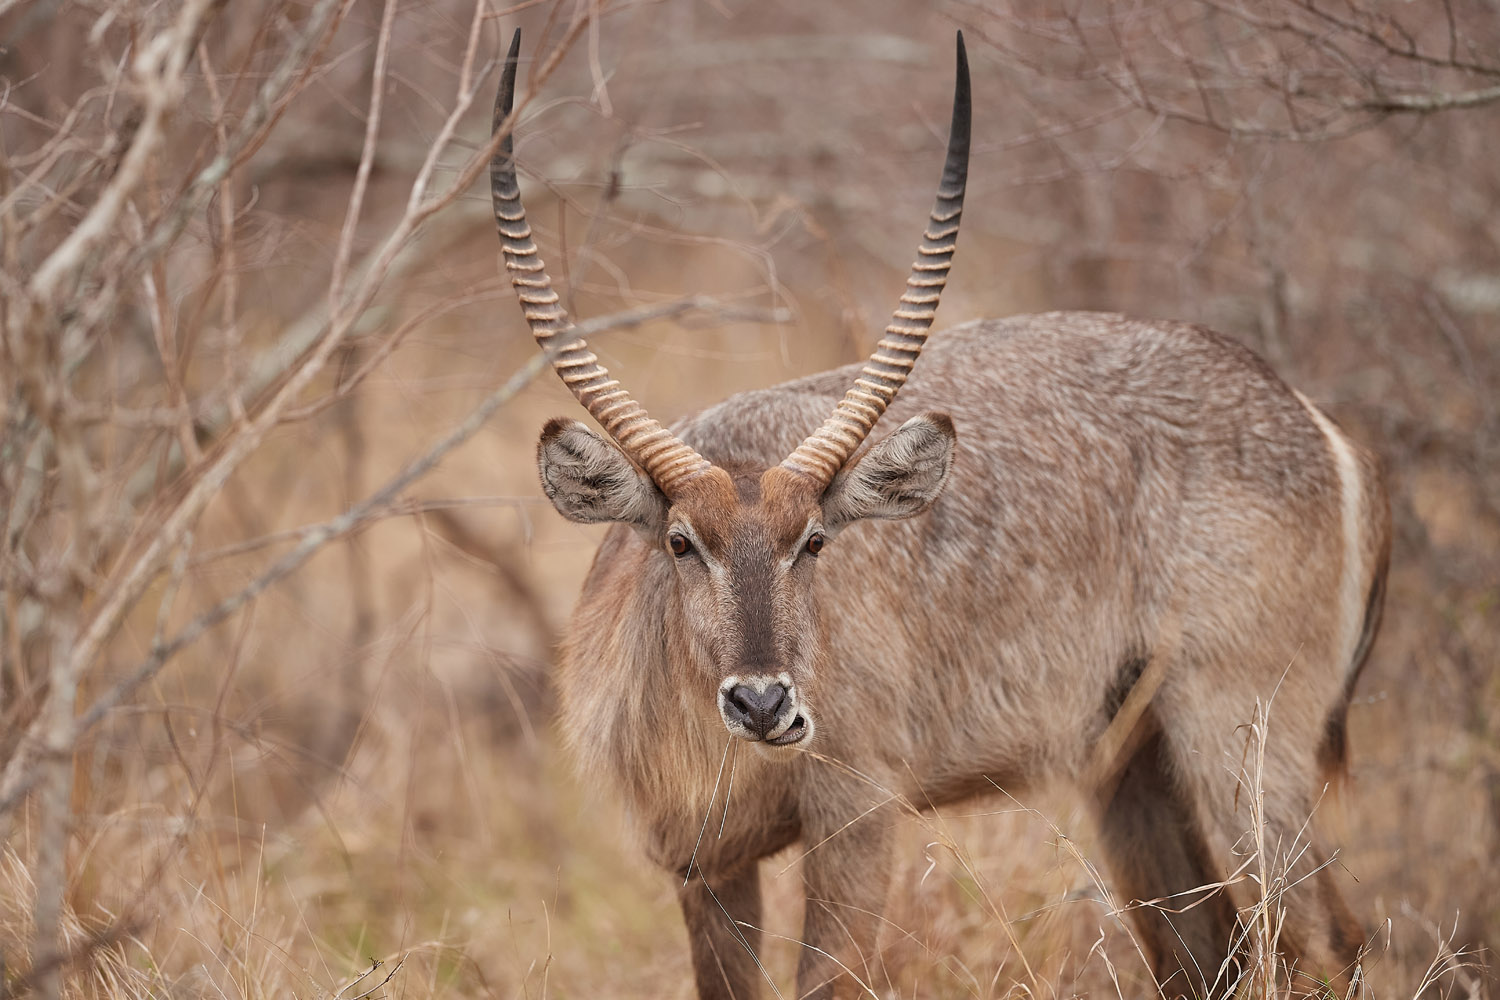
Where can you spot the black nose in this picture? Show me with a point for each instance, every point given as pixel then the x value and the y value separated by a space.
pixel 756 710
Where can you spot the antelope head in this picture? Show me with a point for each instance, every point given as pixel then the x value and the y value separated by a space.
pixel 744 544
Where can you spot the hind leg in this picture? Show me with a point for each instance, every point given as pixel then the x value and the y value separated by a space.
pixel 1320 940
pixel 1262 799
pixel 1156 850
pixel 1324 940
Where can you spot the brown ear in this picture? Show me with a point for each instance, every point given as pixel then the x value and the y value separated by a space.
pixel 900 477
pixel 589 479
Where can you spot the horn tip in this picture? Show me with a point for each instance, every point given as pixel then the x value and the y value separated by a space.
pixel 505 96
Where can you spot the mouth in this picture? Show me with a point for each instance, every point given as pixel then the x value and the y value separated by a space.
pixel 795 733
pixel 764 709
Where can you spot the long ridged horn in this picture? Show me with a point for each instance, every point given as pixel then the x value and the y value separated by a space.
pixel 822 455
pixel 667 460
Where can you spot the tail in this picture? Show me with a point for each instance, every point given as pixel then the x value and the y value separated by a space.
pixel 1333 752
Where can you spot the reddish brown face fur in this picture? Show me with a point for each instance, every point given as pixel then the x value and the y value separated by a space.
pixel 744 547
pixel 745 556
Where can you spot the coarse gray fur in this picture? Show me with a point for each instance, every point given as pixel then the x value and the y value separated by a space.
pixel 1119 492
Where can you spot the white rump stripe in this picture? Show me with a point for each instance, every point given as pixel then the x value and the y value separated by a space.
pixel 1351 509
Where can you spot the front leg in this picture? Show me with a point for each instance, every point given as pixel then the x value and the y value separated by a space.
pixel 722 912
pixel 847 875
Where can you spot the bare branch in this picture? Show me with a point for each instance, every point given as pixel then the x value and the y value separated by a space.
pixel 1430 103
pixel 158 69
pixel 20 772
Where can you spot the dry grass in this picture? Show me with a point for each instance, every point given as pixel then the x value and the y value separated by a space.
pixel 507 879
pixel 359 764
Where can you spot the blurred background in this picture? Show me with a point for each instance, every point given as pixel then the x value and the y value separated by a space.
pixel 225 322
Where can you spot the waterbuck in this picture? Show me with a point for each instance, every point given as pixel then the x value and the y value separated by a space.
pixel 1079 531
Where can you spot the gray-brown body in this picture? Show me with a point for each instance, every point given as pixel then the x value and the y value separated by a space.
pixel 1120 491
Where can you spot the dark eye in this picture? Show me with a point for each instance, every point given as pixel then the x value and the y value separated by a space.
pixel 815 543
pixel 679 544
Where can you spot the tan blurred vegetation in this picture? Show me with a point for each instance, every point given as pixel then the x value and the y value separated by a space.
pixel 223 324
